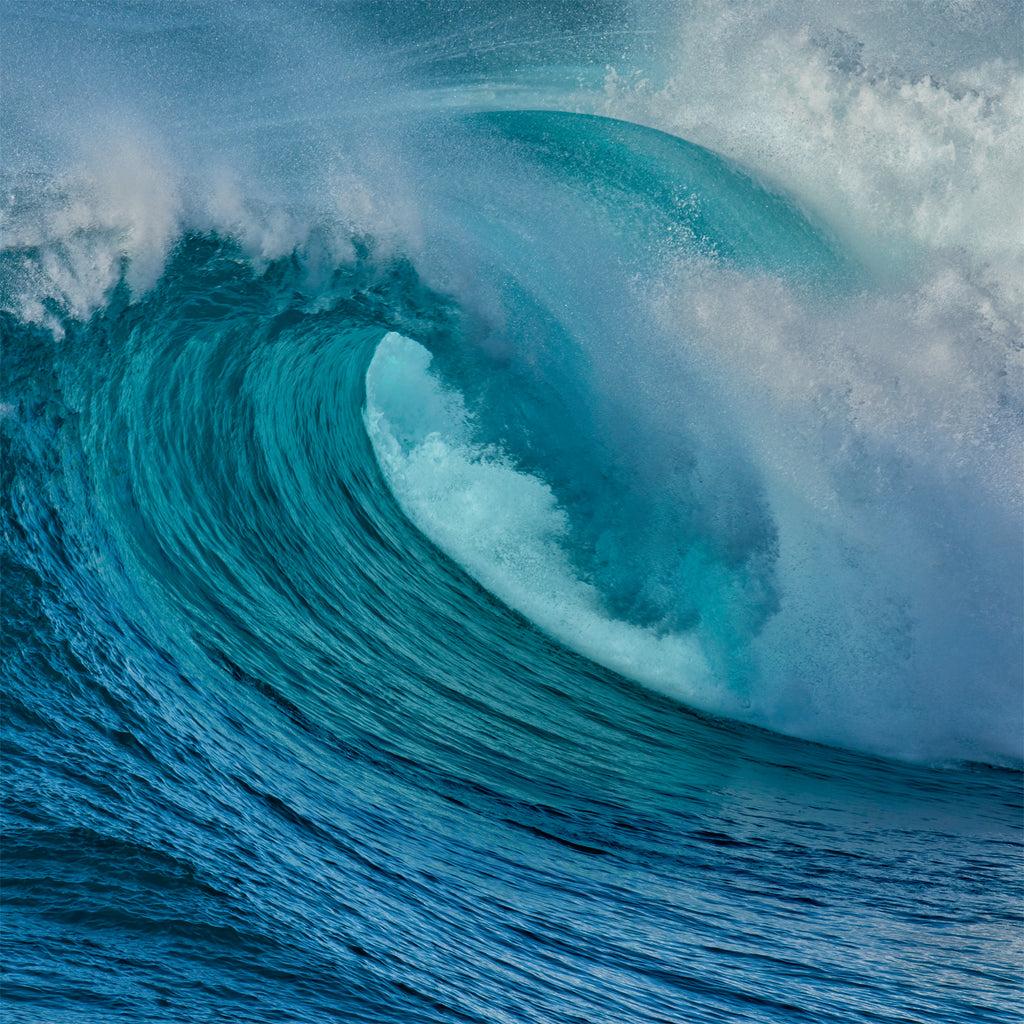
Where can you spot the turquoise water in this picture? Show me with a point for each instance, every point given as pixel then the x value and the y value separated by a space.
pixel 495 532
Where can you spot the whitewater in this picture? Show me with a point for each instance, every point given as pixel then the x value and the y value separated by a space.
pixel 512 512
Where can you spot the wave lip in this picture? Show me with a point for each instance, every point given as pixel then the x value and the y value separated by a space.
pixel 683 197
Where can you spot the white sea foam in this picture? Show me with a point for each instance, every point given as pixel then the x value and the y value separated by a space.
pixel 904 146
pixel 506 529
pixel 886 433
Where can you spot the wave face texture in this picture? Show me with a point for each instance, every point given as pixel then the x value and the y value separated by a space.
pixel 512 512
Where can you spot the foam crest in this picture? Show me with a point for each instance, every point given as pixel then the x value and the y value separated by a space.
pixel 900 153
pixel 117 214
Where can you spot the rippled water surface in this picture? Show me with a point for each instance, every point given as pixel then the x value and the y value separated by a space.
pixel 512 513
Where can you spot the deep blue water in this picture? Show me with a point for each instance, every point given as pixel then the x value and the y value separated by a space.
pixel 511 513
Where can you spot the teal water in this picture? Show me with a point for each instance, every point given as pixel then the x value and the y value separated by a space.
pixel 471 553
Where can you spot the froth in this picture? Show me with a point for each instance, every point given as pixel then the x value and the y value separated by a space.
pixel 117 214
pixel 505 527
pixel 898 158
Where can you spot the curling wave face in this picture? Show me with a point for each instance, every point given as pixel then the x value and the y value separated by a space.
pixel 729 508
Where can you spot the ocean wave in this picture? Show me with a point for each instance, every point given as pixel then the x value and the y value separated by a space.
pixel 512 513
